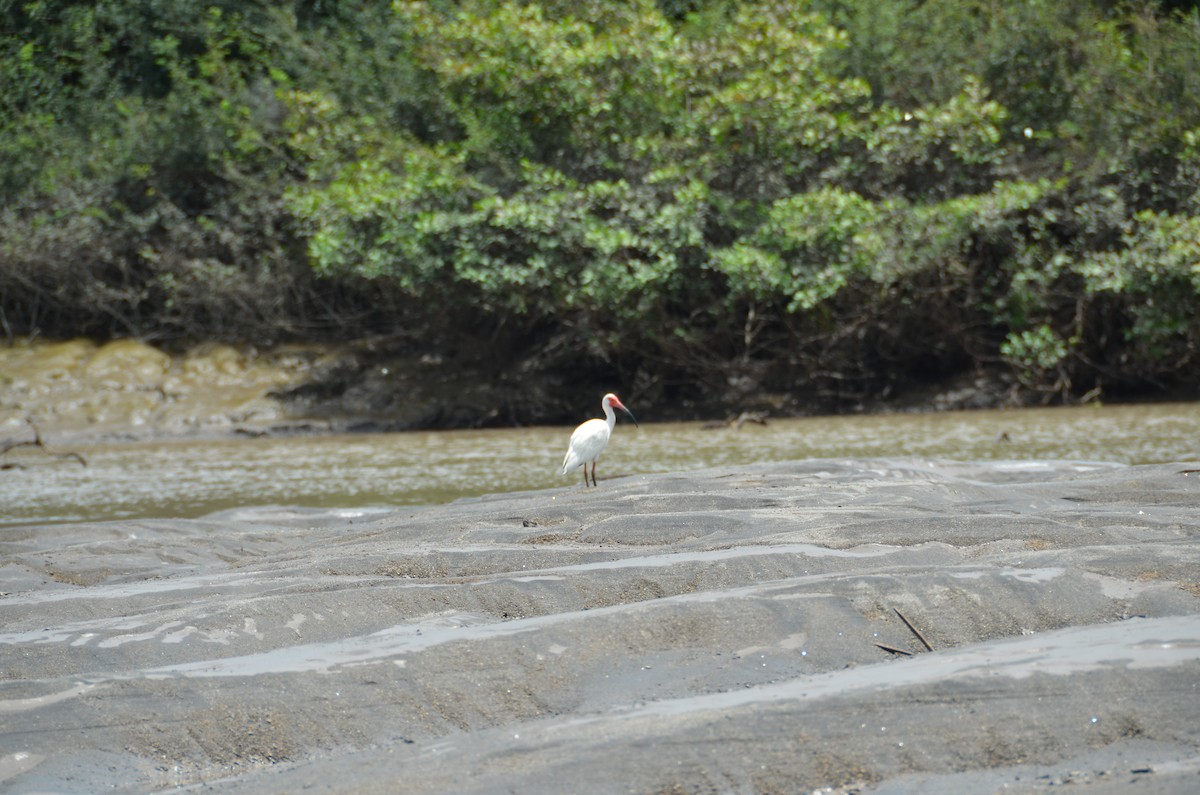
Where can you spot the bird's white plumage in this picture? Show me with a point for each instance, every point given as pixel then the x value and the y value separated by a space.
pixel 589 439
pixel 588 442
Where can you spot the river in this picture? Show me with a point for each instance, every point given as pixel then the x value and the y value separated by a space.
pixel 191 478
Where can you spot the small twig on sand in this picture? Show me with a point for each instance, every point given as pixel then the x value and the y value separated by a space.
pixel 41 445
pixel 1186 472
pixel 757 417
pixel 915 631
pixel 894 650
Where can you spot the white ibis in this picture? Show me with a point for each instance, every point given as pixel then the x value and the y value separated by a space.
pixel 589 439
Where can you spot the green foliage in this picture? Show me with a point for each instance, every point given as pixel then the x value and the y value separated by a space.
pixel 424 226
pixel 401 220
pixel 878 191
pixel 943 149
pixel 525 82
pixel 1089 88
pixel 809 248
pixel 1035 350
pixel 1155 275
pixel 762 105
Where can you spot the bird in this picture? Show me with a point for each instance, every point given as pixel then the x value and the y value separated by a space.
pixel 589 439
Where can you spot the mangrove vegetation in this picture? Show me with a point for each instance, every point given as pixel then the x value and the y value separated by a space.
pixel 697 201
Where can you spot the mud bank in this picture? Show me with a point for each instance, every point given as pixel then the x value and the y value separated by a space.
pixel 833 626
pixel 126 390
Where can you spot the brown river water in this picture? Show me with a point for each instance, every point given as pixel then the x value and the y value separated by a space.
pixel 361 473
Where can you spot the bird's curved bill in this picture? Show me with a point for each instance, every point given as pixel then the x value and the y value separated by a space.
pixel 629 414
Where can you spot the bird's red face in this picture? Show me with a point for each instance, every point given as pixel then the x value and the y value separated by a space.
pixel 612 400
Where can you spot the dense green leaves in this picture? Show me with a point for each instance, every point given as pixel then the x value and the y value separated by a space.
pixel 809 248
pixel 1155 276
pixel 866 193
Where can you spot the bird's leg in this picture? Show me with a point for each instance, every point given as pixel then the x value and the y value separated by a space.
pixel 594 483
pixel 585 483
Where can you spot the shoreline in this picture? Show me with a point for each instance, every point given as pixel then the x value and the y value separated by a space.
pixel 125 391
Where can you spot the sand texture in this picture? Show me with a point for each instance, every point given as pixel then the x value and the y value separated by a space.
pixel 830 626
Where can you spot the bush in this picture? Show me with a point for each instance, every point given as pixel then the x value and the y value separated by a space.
pixel 842 194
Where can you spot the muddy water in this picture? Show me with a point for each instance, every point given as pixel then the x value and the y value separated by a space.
pixel 195 477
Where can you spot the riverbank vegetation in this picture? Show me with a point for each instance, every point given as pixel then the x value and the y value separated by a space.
pixel 699 201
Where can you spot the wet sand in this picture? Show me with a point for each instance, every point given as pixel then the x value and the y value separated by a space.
pixel 832 626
